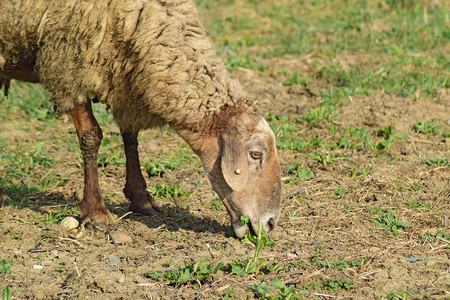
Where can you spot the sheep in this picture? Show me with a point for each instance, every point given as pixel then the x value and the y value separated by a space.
pixel 151 63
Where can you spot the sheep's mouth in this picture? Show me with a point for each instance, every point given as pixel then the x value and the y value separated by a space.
pixel 253 227
pixel 241 229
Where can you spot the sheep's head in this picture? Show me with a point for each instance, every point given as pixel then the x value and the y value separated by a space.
pixel 242 163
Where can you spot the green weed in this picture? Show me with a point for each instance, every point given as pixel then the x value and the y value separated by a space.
pixel 332 284
pixel 419 205
pixel 6 293
pixel 399 295
pixel 294 265
pixel 389 137
pixel 244 61
pixel 184 157
pixel 173 190
pixel 324 112
pixel 62 268
pixel 157 167
pixel 340 264
pixel 437 161
pixel 262 290
pixel 254 264
pixel 230 295
pixel 339 191
pixel 216 204
pixel 436 237
pixel 111 152
pixel 260 240
pixel 193 273
pixel 429 127
pixel 5 266
pixel 56 217
pixel 297 79
pixel 31 101
pixel 299 171
pixel 355 173
pixel 325 159
pixel 415 187
pixel 392 222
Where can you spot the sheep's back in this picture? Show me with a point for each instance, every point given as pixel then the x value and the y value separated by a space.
pixel 149 60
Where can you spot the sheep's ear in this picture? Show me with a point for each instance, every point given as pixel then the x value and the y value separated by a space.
pixel 234 162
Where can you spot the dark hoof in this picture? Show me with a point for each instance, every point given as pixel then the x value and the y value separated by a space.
pixel 150 211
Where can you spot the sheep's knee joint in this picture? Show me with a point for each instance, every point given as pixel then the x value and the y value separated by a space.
pixel 90 143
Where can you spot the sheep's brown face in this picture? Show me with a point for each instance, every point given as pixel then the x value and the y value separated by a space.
pixel 244 171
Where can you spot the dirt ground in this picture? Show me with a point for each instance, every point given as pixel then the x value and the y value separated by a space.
pixel 314 222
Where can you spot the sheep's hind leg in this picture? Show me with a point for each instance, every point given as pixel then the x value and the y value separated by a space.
pixel 89 134
pixel 135 187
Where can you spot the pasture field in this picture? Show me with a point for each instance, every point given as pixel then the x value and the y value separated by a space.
pixel 358 95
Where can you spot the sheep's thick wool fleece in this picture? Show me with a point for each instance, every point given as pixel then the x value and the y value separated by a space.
pixel 149 60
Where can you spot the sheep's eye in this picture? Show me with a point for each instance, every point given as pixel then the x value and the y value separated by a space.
pixel 256 154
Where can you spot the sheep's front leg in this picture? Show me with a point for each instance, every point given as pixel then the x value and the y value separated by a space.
pixel 135 187
pixel 90 135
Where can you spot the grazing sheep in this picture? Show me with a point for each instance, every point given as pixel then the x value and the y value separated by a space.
pixel 152 64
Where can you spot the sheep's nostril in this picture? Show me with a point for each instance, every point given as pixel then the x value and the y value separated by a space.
pixel 271 224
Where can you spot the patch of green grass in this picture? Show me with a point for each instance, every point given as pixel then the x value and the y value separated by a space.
pixel 30 101
pixel 340 264
pixel 392 222
pixel 299 171
pixel 332 284
pixel 429 127
pixel 294 265
pixel 229 295
pixel 290 134
pixel 27 168
pixel 62 268
pixel 244 61
pixel 399 295
pixel 339 191
pixel 325 159
pixel 395 40
pixel 419 205
pixel 435 237
pixel 355 173
pixel 184 157
pixel 415 187
pixel 392 78
pixel 193 273
pixel 216 204
pixel 111 152
pixel 389 137
pixel 274 291
pixel 5 266
pixel 173 191
pixel 157 167
pixel 323 112
pixel 177 159
pixel 298 79
pixel 437 161
pixel 56 217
